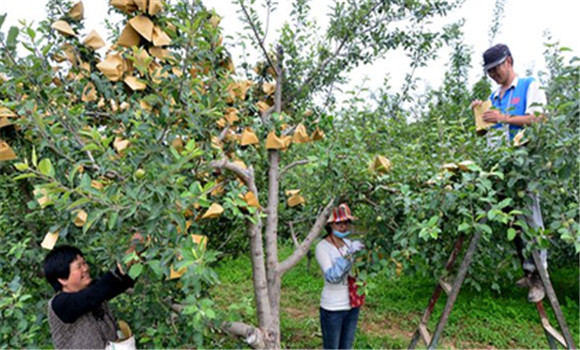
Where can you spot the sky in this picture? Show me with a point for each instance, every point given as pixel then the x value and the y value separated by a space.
pixel 523 27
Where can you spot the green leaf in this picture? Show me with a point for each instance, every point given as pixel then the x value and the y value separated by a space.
pixel 505 203
pixel 11 38
pixel 34 157
pixel 23 176
pixel 2 19
pixel 78 203
pixel 463 227
pixel 484 228
pixel 45 167
pixel 511 234
pixel 21 166
pixel 433 220
pixel 113 219
pixel 135 270
pixel 190 146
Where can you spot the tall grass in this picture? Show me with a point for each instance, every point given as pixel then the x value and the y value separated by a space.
pixel 483 319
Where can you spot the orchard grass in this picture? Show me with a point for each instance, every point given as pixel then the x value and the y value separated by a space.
pixel 480 319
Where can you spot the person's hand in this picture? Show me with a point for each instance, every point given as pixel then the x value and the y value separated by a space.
pixel 475 103
pixel 494 116
pixel 137 246
pixel 355 247
pixel 120 269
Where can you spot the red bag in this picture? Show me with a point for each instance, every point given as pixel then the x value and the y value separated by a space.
pixel 356 299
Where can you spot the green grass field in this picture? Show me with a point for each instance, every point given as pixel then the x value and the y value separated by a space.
pixel 392 311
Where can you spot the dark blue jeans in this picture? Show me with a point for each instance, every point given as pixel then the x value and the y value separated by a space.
pixel 338 328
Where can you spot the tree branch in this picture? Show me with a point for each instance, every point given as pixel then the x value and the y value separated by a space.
pixel 260 42
pixel 245 174
pixel 253 336
pixel 292 165
pixel 329 59
pixel 299 253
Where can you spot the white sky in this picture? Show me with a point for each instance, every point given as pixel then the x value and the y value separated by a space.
pixel 522 30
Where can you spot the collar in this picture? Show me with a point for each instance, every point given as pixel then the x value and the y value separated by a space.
pixel 512 85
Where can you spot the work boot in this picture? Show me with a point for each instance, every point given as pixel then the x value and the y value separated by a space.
pixel 536 292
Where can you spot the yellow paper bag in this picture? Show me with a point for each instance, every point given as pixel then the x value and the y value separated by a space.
pixel 77 11
pixel 41 196
pixel 450 167
pixel 381 164
pixel 125 330
pixel 157 73
pixel 94 40
pixel 7 113
pixel 4 122
pixel 292 192
pixel 231 115
pixel 129 37
pixel 155 6
pixel 262 106
pixel 200 240
pixel 120 145
pixel 464 166
pixel 89 93
pixel 6 153
pixel 160 53
pixel 295 200
pixel 135 83
pixel 160 38
pixel 112 67
pixel 237 90
pixel 248 137
pixel 274 142
pixel 251 200
pixel 141 58
pixel 300 135
pixel 141 4
pixel 49 240
pixel 127 6
pixel 143 26
pixel 317 135
pixel 176 274
pixel 480 125
pixel 63 28
pixel 269 88
pixel 81 218
pixel 519 138
pixel 214 211
pixel 97 184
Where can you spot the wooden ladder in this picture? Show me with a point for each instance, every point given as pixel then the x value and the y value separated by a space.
pixel 452 292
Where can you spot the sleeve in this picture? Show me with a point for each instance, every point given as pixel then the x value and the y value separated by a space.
pixel 334 272
pixel 536 98
pixel 70 306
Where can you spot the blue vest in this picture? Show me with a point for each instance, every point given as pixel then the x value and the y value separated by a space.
pixel 513 102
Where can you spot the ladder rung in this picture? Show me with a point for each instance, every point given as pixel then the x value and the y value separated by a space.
pixel 425 334
pixel 553 333
pixel 446 286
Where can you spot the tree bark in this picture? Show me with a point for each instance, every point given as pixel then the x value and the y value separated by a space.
pixel 274 281
pixel 255 337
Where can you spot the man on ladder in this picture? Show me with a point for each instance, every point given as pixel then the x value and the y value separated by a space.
pixel 517 102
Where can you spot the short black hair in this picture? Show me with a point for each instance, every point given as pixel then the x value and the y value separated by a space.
pixel 57 264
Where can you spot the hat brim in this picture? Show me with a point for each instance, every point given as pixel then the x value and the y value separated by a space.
pixel 352 218
pixel 495 63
